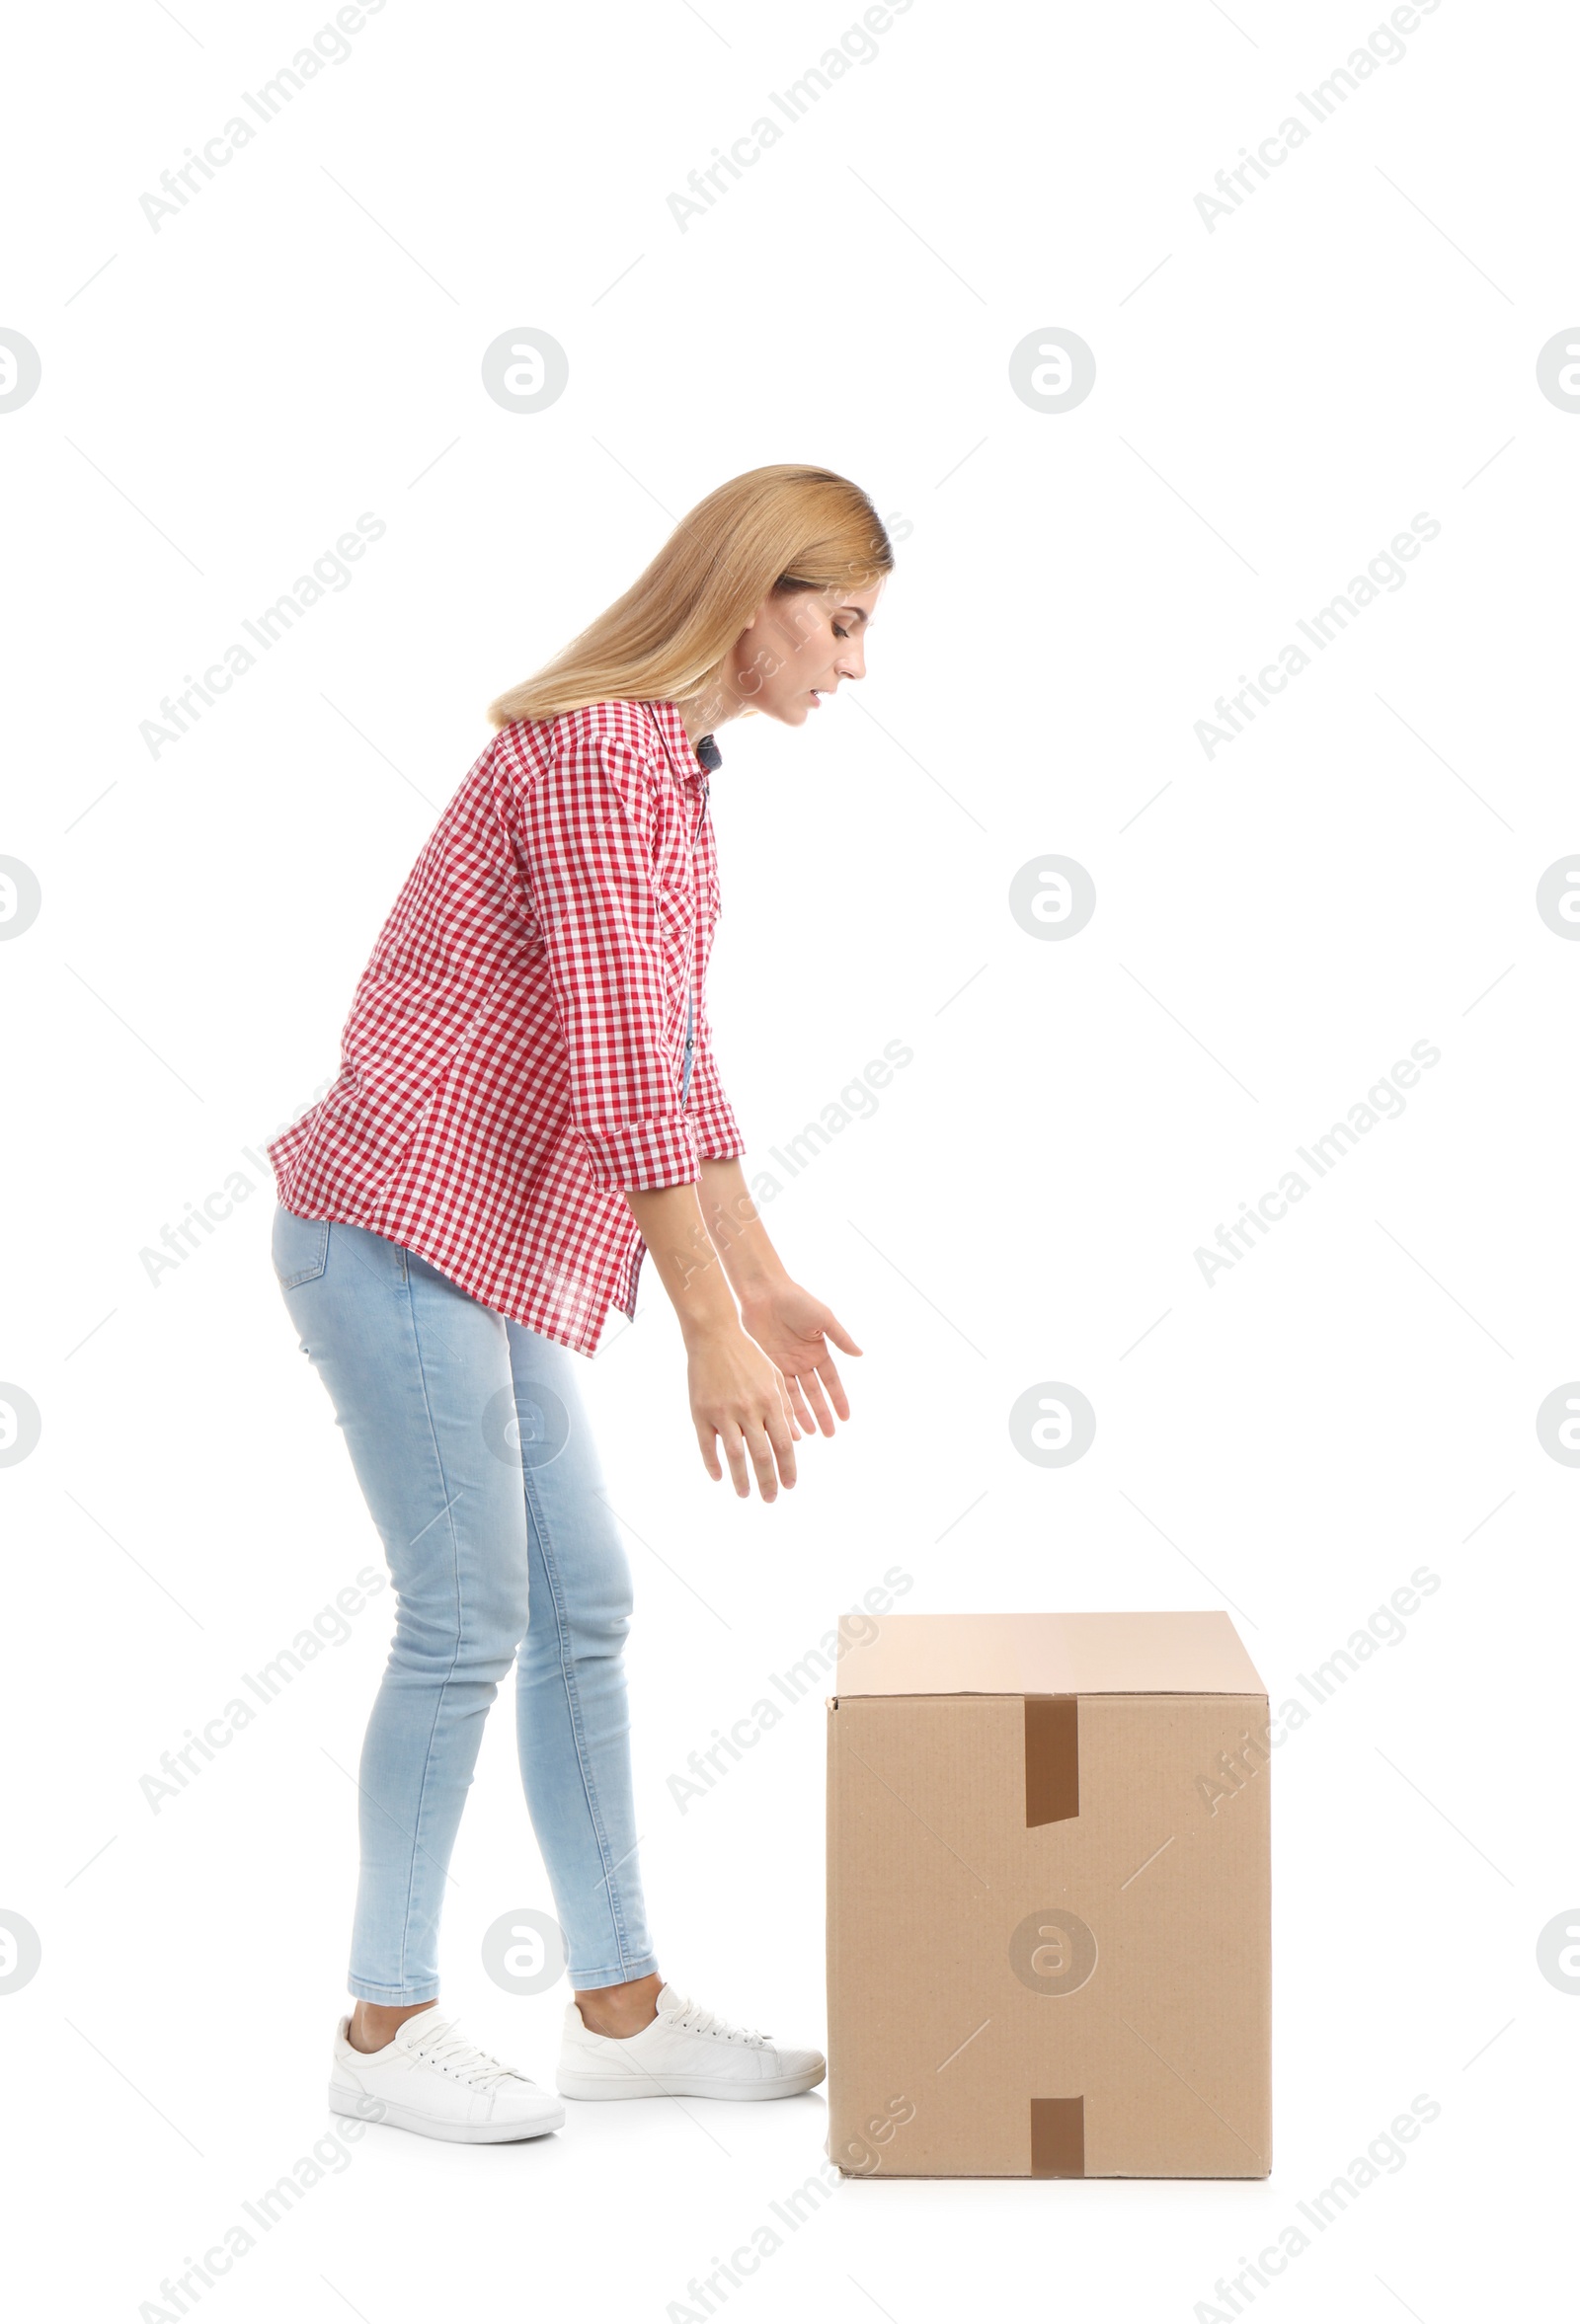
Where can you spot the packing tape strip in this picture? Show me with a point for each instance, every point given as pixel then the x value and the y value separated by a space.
pixel 1059 2138
pixel 1053 1758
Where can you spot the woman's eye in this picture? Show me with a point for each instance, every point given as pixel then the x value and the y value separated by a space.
pixel 839 633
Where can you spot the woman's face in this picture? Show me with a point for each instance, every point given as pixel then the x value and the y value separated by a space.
pixel 795 649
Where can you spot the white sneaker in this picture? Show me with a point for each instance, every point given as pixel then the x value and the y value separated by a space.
pixel 433 2080
pixel 685 2053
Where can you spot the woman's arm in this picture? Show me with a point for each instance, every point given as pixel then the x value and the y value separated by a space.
pixel 787 1323
pixel 586 842
pixel 738 1394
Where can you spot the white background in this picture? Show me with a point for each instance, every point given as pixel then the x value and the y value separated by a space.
pixel 1356 1398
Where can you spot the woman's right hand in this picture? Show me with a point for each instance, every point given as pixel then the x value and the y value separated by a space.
pixel 739 1401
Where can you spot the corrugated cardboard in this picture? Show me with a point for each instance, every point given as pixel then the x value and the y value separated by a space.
pixel 1049 1943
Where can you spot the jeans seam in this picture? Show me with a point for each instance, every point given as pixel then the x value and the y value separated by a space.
pixel 573 1709
pixel 390 1996
pixel 455 1561
pixel 624 1972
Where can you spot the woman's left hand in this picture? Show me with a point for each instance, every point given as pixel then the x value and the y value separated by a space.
pixel 794 1329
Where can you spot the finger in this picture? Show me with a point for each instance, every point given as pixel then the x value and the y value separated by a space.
pixel 814 1388
pixel 734 1452
pixel 790 1397
pixel 835 1387
pixel 778 1429
pixel 760 1448
pixel 710 1458
pixel 789 1394
pixel 835 1331
pixel 795 1396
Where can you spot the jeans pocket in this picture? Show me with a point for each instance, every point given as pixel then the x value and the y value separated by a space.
pixel 298 1247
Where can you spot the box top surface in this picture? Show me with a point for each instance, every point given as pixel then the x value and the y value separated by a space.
pixel 1044 1654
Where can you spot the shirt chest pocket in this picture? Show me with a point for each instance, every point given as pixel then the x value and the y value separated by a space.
pixel 677 905
pixel 685 885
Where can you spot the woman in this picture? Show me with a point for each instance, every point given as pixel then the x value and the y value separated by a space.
pixel 527 1103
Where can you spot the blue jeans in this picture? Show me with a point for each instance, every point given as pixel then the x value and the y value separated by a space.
pixel 472 1451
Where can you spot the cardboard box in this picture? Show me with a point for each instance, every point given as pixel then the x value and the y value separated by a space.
pixel 1049 1939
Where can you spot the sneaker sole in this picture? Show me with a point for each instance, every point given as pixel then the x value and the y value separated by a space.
pixel 404 2117
pixel 608 2086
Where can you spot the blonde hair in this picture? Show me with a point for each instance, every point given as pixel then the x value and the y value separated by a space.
pixel 777 530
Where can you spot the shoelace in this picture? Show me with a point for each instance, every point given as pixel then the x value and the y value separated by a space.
pixel 448 2047
pixel 707 2021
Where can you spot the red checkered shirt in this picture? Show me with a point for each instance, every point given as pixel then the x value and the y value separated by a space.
pixel 516 1048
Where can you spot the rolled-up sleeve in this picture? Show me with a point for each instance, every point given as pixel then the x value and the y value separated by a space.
pixel 718 1131
pixel 587 822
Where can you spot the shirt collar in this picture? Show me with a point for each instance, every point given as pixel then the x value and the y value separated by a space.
pixel 694 762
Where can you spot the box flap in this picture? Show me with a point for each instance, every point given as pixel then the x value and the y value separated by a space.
pixel 1043 1654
